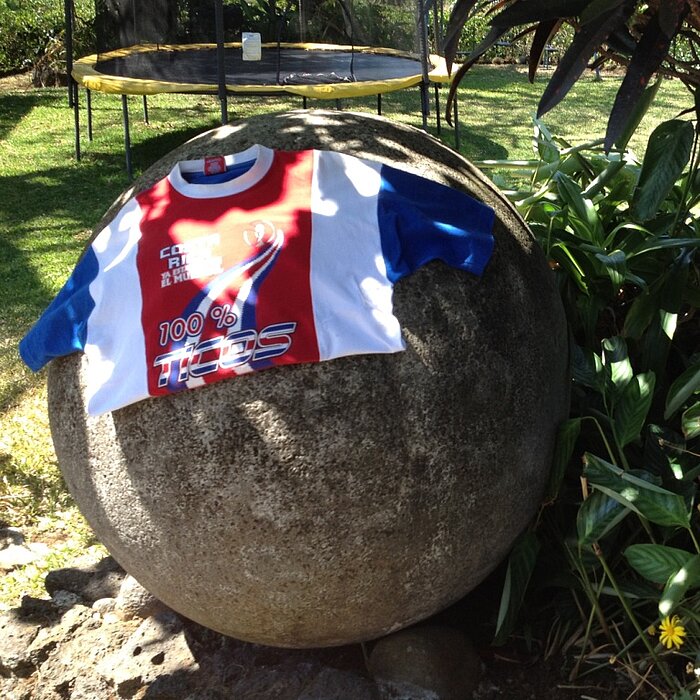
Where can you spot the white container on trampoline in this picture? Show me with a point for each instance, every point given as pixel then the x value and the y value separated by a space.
pixel 252 46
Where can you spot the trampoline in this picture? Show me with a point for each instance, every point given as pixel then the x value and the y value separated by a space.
pixel 319 71
pixel 149 47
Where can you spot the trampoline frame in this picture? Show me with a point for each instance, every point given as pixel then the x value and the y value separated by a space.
pixel 433 72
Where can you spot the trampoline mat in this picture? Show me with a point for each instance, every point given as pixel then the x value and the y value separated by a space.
pixel 278 67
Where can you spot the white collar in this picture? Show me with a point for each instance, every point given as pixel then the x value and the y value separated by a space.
pixel 262 156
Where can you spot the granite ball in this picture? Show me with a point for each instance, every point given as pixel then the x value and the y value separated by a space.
pixel 322 504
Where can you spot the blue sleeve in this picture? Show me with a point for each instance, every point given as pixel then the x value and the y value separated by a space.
pixel 62 328
pixel 421 220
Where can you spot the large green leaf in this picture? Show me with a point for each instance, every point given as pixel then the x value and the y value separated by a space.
pixel 632 408
pixel 668 152
pixel 681 390
pixel 521 563
pixel 597 516
pixel 656 562
pixel 567 435
pixel 640 315
pixel 458 17
pixel 615 265
pixel 661 242
pixel 637 492
pixel 617 363
pixel 691 422
pixel 526 11
pixel 646 59
pixel 687 577
pixel 587 368
pixel 637 114
pixel 586 41
pixel 543 34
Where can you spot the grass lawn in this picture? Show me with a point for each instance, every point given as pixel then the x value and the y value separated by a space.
pixel 49 203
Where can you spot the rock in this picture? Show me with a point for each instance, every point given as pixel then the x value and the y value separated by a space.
pixel 157 648
pixel 333 684
pixel 13 556
pixel 65 599
pixel 88 579
pixel 38 609
pixel 49 638
pixel 437 659
pixel 71 653
pixel 102 606
pixel 134 600
pixel 10 536
pixel 15 637
pixel 321 504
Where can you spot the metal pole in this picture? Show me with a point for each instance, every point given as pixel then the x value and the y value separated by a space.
pixel 145 110
pixel 221 68
pixel 437 108
pixel 68 9
pixel 88 103
pixel 127 138
pixel 423 30
pixel 76 118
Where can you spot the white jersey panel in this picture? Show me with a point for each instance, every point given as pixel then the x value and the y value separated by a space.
pixel 351 295
pixel 116 361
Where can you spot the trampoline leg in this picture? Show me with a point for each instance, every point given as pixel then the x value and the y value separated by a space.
pixel 88 102
pixel 303 101
pixel 338 105
pixel 437 109
pixel 76 118
pixel 145 110
pixel 424 105
pixel 127 138
pixel 379 104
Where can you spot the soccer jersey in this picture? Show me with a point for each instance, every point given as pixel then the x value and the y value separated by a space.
pixel 236 264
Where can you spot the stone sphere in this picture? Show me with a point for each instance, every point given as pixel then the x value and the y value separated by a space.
pixel 323 504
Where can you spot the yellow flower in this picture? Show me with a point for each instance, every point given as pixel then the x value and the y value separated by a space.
pixel 671 632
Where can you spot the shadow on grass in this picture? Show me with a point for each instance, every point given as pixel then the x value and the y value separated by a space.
pixel 13 108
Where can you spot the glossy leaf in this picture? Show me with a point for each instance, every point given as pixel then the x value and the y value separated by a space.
pixel 668 152
pixel 589 37
pixel 686 578
pixel 491 38
pixel 690 422
pixel 615 265
pixel 640 315
pixel 567 435
pixel 587 368
pixel 526 12
pixel 650 52
pixel 597 516
pixel 637 114
pixel 636 492
pixel 664 242
pixel 544 32
pixel 682 389
pixel 595 8
pixel 632 409
pixel 656 562
pixel 617 362
pixel 655 343
pixel 458 17
pixel 521 564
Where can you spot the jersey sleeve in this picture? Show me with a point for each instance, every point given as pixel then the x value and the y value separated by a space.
pixel 421 220
pixel 62 328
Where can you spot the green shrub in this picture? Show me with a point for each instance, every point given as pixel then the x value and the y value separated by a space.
pixel 29 28
pixel 619 544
